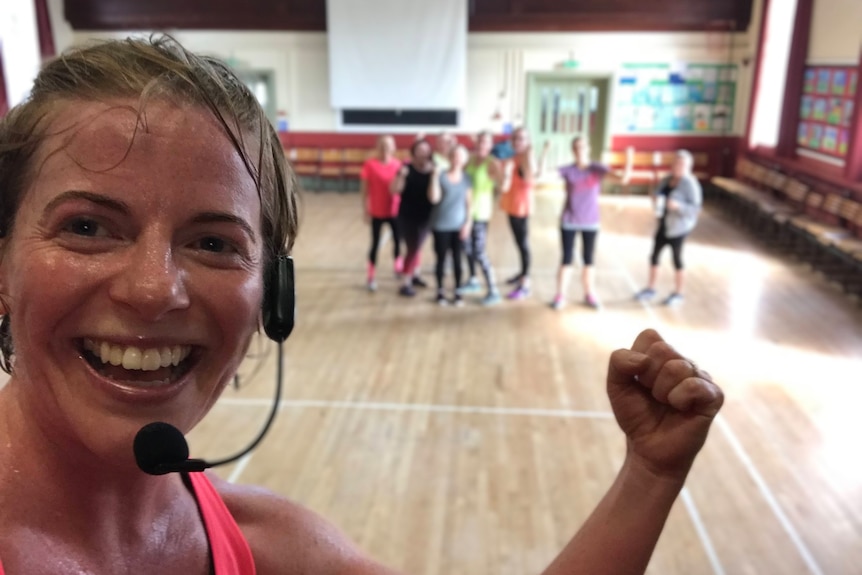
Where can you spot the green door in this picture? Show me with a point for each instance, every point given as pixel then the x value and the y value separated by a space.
pixel 562 107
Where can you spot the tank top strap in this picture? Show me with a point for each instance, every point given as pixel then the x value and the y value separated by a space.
pixel 230 551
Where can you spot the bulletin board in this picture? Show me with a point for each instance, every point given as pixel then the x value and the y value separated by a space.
pixel 826 111
pixel 675 98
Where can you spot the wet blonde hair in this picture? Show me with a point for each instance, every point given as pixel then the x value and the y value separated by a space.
pixel 146 69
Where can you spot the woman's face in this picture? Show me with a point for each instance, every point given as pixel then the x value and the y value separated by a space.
pixel 484 145
pixel 422 152
pixel 145 256
pixel 680 167
pixel 520 141
pixel 459 156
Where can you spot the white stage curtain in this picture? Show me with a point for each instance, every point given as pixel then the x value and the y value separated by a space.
pixel 397 54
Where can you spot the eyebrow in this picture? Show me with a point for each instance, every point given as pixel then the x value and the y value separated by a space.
pixel 123 208
pixel 222 217
pixel 104 201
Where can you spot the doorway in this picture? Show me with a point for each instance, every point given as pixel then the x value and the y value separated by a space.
pixel 561 106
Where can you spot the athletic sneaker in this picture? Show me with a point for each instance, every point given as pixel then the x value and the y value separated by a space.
pixel 457 301
pixel 441 299
pixel 407 291
pixel 591 301
pixel 492 298
pixel 419 282
pixel 518 293
pixel 673 298
pixel 558 303
pixel 645 294
pixel 514 279
pixel 471 287
pixel 371 285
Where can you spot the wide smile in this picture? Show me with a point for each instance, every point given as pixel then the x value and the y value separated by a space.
pixel 139 368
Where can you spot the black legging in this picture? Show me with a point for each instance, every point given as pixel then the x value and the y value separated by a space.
pixel 414 234
pixel 588 238
pixel 376 226
pixel 520 229
pixel 475 248
pixel 661 240
pixel 446 242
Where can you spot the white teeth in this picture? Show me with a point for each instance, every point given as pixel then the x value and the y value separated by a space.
pixel 152 360
pixel 134 358
pixel 166 357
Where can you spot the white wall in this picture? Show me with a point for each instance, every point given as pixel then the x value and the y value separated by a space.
pixel 20 40
pixel 497 63
pixel 836 32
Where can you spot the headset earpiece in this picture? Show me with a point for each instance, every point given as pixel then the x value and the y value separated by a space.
pixel 279 300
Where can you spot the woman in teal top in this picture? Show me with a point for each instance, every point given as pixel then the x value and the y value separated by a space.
pixel 484 171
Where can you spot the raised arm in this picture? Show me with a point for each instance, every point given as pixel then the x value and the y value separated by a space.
pixel 468 223
pixel 665 405
pixel 397 185
pixel 435 194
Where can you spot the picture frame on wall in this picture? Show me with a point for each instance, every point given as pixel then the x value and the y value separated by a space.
pixel 810 81
pixel 830 139
pixel 823 77
pixel 819 109
pixel 839 82
pixel 826 109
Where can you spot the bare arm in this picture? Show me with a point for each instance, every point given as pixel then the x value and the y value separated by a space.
pixel 507 173
pixel 622 177
pixel 665 406
pixel 397 185
pixel 435 194
pixel 468 223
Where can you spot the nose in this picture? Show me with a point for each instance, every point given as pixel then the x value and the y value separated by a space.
pixel 150 283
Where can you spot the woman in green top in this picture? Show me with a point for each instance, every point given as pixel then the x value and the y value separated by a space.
pixel 484 171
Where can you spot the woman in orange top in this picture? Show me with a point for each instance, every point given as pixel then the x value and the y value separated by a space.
pixel 518 178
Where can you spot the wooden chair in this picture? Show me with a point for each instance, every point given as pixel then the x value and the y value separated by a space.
pixel 306 166
pixel 332 168
pixel 354 158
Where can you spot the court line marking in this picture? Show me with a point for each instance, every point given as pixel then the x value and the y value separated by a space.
pixel 769 496
pixel 420 407
pixel 687 499
pixel 240 467
pixel 703 535
pixel 750 467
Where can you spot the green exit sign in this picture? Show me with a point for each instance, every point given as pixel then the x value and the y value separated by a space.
pixel 570 64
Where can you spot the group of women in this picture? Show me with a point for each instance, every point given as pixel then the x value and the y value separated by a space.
pixel 144 202
pixel 450 193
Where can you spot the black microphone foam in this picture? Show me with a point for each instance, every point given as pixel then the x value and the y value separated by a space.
pixel 160 448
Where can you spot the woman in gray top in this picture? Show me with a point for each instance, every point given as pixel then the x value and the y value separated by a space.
pixel 677 202
pixel 450 192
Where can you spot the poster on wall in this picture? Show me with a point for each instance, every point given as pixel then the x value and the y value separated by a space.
pixel 826 109
pixel 675 98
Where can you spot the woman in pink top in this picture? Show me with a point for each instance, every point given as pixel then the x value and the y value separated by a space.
pixel 144 195
pixel 380 205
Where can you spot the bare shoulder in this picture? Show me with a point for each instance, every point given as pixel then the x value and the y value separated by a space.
pixel 287 538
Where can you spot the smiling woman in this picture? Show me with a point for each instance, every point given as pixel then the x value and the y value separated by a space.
pixel 137 178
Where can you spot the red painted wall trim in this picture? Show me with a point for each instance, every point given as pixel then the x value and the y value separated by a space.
pixel 795 79
pixel 853 162
pixel 4 99
pixel 46 34
pixel 758 67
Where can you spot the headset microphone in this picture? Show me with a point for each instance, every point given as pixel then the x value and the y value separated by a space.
pixel 160 448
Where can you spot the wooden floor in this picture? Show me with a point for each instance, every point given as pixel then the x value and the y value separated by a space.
pixel 475 441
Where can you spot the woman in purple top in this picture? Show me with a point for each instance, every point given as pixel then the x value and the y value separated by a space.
pixel 583 180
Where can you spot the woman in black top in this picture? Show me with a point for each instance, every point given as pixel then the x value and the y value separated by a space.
pixel 414 214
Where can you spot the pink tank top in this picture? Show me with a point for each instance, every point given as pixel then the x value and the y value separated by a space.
pixel 230 551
